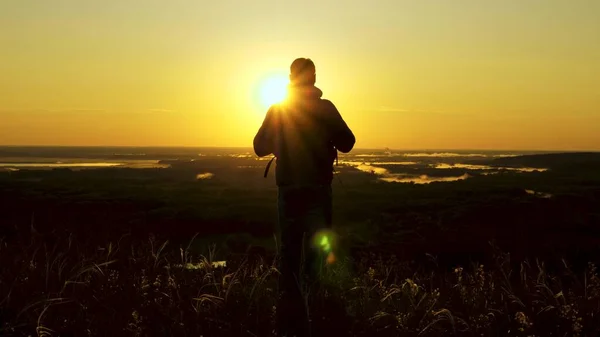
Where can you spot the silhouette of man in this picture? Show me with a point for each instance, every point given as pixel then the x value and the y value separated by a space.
pixel 304 132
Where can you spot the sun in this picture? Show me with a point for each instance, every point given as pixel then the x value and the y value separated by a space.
pixel 273 90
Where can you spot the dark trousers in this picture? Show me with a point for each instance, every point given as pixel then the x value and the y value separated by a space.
pixel 303 212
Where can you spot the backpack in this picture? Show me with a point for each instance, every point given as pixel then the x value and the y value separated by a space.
pixel 333 150
pixel 271 162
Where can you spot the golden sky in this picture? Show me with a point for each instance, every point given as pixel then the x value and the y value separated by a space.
pixel 427 74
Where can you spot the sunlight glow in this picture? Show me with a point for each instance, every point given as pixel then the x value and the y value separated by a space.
pixel 273 90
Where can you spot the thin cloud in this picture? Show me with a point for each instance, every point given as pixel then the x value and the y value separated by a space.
pixel 91 111
pixel 52 110
pixel 161 111
pixel 440 113
pixel 86 110
pixel 398 109
pixel 392 109
pixel 444 154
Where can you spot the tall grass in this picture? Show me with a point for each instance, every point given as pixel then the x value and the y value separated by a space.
pixel 57 287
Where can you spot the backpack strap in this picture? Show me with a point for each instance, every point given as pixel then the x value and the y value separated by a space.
pixel 268 167
pixel 277 107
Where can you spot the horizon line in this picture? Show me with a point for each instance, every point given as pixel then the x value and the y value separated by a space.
pixel 250 147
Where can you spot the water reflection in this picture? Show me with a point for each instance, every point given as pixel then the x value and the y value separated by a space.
pixel 539 194
pixel 205 175
pixel 387 176
pixel 229 155
pixel 422 179
pixel 435 154
pixel 444 154
pixel 487 167
pixel 372 169
pixel 83 165
pixel 356 163
pixel 145 164
pixel 395 163
pixel 58 165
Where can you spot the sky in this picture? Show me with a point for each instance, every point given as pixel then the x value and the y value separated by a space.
pixel 425 74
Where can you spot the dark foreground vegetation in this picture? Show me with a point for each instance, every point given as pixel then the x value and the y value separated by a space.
pixel 127 252
pixel 139 289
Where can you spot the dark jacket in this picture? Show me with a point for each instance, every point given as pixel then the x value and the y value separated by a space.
pixel 304 133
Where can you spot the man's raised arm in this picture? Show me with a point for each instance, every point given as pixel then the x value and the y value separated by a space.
pixel 342 137
pixel 264 139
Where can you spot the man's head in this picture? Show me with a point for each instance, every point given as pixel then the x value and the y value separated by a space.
pixel 303 72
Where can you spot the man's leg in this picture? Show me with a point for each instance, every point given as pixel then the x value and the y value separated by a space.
pixel 303 213
pixel 291 310
pixel 318 218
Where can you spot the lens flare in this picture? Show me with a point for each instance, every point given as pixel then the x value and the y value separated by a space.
pixel 324 241
pixel 325 245
pixel 331 258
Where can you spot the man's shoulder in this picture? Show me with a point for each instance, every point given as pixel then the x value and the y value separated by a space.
pixel 327 105
pixel 275 109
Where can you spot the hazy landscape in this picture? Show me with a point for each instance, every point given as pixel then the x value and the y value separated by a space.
pixel 182 241
pixel 133 201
